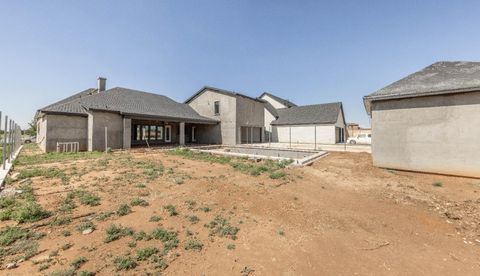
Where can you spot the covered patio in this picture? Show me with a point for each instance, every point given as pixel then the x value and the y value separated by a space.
pixel 154 132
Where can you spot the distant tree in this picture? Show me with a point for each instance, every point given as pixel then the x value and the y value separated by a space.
pixel 32 128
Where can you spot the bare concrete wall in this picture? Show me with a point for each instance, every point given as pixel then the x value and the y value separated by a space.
pixel 208 134
pixel 250 113
pixel 97 121
pixel 64 128
pixel 204 105
pixel 436 134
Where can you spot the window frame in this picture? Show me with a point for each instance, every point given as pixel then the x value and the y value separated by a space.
pixel 216 105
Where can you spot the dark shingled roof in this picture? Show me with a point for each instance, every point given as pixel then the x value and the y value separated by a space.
pixel 221 91
pixel 286 103
pixel 309 114
pixel 130 102
pixel 444 77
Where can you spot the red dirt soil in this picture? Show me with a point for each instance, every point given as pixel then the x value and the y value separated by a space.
pixel 339 216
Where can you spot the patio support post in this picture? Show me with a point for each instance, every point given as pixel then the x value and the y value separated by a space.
pixel 251 135
pixel 290 136
pixel 182 134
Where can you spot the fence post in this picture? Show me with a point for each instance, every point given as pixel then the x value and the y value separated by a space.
pixel 14 144
pixel 11 142
pixel 5 143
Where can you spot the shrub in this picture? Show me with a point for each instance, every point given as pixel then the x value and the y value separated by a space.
pixel 145 253
pixel 104 215
pixel 124 210
pixel 277 175
pixel 171 210
pixel 84 225
pixel 194 245
pixel 193 219
pixel 115 232
pixel 9 235
pixel 138 202
pixel 29 212
pixel 230 246
pixel 124 263
pixel 87 198
pixel 221 227
pixel 68 204
pixel 60 220
pixel 142 236
pixel 155 218
pixel 78 262
pixel 168 238
pixel 46 172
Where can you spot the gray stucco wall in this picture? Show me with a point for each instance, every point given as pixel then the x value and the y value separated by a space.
pixel 63 128
pixel 436 134
pixel 208 134
pixel 127 133
pixel 204 105
pixel 97 121
pixel 250 113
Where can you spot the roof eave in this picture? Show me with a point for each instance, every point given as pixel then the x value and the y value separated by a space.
pixel 367 100
pixel 173 118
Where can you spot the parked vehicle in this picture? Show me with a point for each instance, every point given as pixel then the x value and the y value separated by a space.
pixel 29 140
pixel 360 139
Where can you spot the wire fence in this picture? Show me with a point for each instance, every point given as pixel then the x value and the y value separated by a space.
pixel 10 140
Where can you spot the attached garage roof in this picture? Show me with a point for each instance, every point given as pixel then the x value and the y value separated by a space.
pixel 444 77
pixel 126 101
pixel 309 114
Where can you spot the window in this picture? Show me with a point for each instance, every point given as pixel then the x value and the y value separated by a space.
pixel 159 132
pixel 369 135
pixel 144 132
pixel 138 132
pixel 153 133
pixel 362 135
pixel 216 108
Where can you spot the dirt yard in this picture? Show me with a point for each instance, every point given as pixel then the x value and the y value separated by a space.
pixel 178 213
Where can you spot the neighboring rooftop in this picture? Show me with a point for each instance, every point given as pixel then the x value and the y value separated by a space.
pixel 286 103
pixel 125 101
pixel 221 91
pixel 444 77
pixel 309 114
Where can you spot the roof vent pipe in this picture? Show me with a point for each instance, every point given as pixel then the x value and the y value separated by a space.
pixel 102 82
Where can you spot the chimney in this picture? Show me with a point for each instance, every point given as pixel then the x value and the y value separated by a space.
pixel 101 84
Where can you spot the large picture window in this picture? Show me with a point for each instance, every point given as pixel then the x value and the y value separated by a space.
pixel 148 132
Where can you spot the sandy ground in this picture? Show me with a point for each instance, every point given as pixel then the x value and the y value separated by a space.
pixel 339 216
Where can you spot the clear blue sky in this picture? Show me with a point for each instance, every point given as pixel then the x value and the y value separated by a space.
pixel 305 51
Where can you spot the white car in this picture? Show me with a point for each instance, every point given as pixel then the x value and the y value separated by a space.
pixel 360 139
